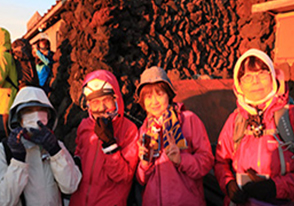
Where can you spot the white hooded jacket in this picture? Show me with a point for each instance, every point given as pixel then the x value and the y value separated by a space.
pixel 41 179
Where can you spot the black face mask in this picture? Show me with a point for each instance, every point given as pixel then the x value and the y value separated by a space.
pixel 256 123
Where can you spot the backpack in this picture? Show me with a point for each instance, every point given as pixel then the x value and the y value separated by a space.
pixel 8 156
pixel 283 128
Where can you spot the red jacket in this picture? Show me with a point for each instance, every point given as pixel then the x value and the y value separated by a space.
pixel 107 178
pixel 167 184
pixel 260 154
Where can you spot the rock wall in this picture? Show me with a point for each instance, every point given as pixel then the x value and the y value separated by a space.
pixel 125 37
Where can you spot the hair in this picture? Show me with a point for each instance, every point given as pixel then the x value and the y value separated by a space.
pixel 252 63
pixel 157 85
pixel 46 42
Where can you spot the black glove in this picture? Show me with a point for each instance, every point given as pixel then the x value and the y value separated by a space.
pixel 262 190
pixel 46 138
pixel 104 130
pixel 14 143
pixel 237 195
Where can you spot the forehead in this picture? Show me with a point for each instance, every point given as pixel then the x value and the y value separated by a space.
pixel 33 109
pixel 107 96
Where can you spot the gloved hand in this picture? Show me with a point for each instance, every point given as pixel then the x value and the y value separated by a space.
pixel 104 130
pixel 46 138
pixel 237 195
pixel 14 143
pixel 262 190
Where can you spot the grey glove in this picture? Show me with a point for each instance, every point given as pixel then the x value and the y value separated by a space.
pixel 46 138
pixel 15 145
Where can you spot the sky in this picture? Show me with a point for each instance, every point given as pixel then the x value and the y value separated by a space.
pixel 14 14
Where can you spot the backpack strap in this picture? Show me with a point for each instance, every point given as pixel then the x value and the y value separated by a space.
pixel 284 127
pixel 8 156
pixel 239 129
pixel 11 82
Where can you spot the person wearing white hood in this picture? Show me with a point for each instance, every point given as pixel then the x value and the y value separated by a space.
pixel 34 165
pixel 249 167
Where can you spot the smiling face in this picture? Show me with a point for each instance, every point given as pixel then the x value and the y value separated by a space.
pixel 256 81
pixel 155 98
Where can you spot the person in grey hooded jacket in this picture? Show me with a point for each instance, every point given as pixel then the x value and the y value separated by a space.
pixel 40 165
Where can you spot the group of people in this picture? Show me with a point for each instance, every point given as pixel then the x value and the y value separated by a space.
pixel 21 65
pixel 170 153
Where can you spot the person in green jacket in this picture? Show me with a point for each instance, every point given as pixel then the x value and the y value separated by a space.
pixel 8 80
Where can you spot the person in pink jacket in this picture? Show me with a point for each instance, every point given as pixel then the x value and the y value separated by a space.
pixel 106 144
pixel 252 166
pixel 174 148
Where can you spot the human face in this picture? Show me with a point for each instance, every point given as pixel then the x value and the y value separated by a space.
pixel 156 102
pixel 256 85
pixel 101 105
pixel 31 115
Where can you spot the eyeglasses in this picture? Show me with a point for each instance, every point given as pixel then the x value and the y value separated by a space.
pixel 249 77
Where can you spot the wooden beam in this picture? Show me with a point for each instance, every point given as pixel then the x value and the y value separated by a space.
pixel 276 6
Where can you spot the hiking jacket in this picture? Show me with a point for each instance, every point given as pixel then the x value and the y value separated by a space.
pixel 107 178
pixel 167 184
pixel 41 177
pixel 7 67
pixel 43 69
pixel 259 153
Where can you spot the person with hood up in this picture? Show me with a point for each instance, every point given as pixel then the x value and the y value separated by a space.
pixel 106 144
pixel 174 149
pixel 249 167
pixel 8 80
pixel 34 165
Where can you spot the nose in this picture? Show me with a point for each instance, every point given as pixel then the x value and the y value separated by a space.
pixel 154 99
pixel 255 79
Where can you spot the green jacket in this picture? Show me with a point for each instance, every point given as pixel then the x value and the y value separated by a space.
pixel 7 66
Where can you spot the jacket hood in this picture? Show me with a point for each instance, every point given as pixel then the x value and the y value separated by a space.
pixel 237 88
pixel 277 77
pixel 109 78
pixel 30 96
pixel 5 43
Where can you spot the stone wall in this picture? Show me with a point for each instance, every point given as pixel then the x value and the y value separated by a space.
pixel 125 37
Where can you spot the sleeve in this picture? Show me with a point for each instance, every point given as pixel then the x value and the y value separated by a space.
pixel 3 68
pixel 13 179
pixel 121 165
pixel 285 184
pixel 66 173
pixel 224 155
pixel 200 161
pixel 47 61
pixel 144 173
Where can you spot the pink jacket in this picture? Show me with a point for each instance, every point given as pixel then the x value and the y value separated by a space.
pixel 167 184
pixel 260 154
pixel 107 178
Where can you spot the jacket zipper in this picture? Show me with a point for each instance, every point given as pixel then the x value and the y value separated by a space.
pixel 258 155
pixel 159 185
pixel 91 175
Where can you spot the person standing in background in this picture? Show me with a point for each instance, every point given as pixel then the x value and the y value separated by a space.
pixel 44 61
pixel 8 80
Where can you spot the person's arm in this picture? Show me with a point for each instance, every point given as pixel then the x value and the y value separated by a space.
pixel 66 173
pixel 121 165
pixel 47 61
pixel 223 155
pixel 200 161
pixel 13 179
pixel 285 184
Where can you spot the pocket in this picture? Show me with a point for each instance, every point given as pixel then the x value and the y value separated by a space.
pixel 272 145
pixel 5 94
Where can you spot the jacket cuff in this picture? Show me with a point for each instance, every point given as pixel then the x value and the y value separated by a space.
pixel 110 149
